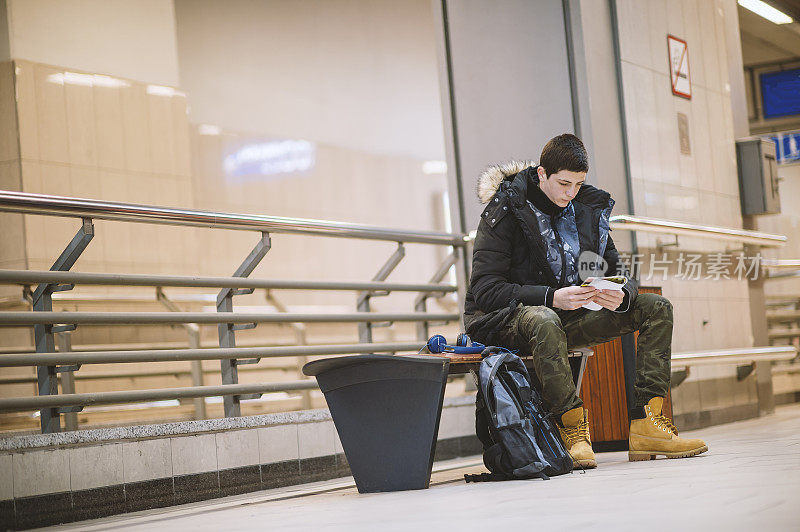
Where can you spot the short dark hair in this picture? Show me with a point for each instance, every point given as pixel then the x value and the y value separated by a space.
pixel 564 152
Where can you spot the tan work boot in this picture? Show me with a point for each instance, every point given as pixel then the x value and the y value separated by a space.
pixel 656 435
pixel 575 435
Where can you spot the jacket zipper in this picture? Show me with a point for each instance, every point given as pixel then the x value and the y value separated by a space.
pixel 542 263
pixel 560 251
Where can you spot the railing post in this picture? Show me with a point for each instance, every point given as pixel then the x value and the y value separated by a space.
pixel 365 329
pixel 44 339
pixel 420 303
pixel 197 371
pixel 227 337
pixel 463 263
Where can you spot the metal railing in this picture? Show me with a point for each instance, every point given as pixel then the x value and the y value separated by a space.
pixel 47 323
pixel 786 268
pixel 746 355
pixel 780 263
pixel 24 202
pixel 746 360
pixel 625 222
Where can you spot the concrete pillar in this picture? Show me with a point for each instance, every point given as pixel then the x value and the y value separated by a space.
pixel 505 84
pixel 741 128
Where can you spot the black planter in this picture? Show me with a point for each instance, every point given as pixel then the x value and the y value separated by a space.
pixel 386 409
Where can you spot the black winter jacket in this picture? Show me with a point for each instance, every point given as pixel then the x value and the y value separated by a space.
pixel 509 264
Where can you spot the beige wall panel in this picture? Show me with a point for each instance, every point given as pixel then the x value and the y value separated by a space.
pixel 109 127
pixel 9 133
pixel 12 230
pixel 136 125
pixel 161 133
pixel 27 113
pixel 180 123
pixel 51 114
pixel 80 122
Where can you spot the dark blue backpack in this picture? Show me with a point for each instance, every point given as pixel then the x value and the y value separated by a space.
pixel 520 440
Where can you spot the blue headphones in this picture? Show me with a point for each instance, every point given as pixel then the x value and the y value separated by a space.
pixel 464 346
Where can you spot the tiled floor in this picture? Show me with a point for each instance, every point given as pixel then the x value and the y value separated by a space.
pixel 749 480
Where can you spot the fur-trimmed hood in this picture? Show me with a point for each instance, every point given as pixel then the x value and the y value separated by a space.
pixel 490 180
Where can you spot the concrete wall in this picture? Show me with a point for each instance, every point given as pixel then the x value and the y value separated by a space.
pixel 599 117
pixel 357 74
pixel 127 38
pixel 506 81
pixel 699 187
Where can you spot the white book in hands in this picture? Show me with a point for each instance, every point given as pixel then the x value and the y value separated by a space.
pixel 603 283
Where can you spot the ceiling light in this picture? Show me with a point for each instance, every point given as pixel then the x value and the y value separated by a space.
pixel 767 11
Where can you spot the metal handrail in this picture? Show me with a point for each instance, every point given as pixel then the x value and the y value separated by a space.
pixel 782 275
pixel 114 279
pixel 138 318
pixel 28 203
pixel 178 355
pixel 22 404
pixel 733 356
pixel 780 263
pixel 783 334
pixel 626 222
pixel 117 375
pixel 783 315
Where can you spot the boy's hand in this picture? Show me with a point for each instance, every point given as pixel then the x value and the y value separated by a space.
pixel 573 297
pixel 610 299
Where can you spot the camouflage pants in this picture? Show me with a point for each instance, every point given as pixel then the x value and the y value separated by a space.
pixel 546 334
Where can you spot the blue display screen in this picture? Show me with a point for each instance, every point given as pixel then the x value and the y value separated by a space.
pixel 780 93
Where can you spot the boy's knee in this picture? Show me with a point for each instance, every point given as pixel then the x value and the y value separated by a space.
pixel 654 305
pixel 535 321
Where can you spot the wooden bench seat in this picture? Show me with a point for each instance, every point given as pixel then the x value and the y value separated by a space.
pixel 461 363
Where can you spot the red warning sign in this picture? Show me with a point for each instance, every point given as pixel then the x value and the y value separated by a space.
pixel 679 67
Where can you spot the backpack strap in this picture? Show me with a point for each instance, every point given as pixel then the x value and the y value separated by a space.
pixel 485 477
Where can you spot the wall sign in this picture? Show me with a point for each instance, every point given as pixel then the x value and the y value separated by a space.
pixel 787 146
pixel 679 67
pixel 683 134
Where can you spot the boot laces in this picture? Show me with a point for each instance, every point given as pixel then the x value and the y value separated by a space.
pixel 661 419
pixel 663 422
pixel 573 435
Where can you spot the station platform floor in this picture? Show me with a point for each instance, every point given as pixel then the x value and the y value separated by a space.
pixel 748 480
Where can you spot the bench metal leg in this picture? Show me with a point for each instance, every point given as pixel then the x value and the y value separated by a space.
pixel 577 362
